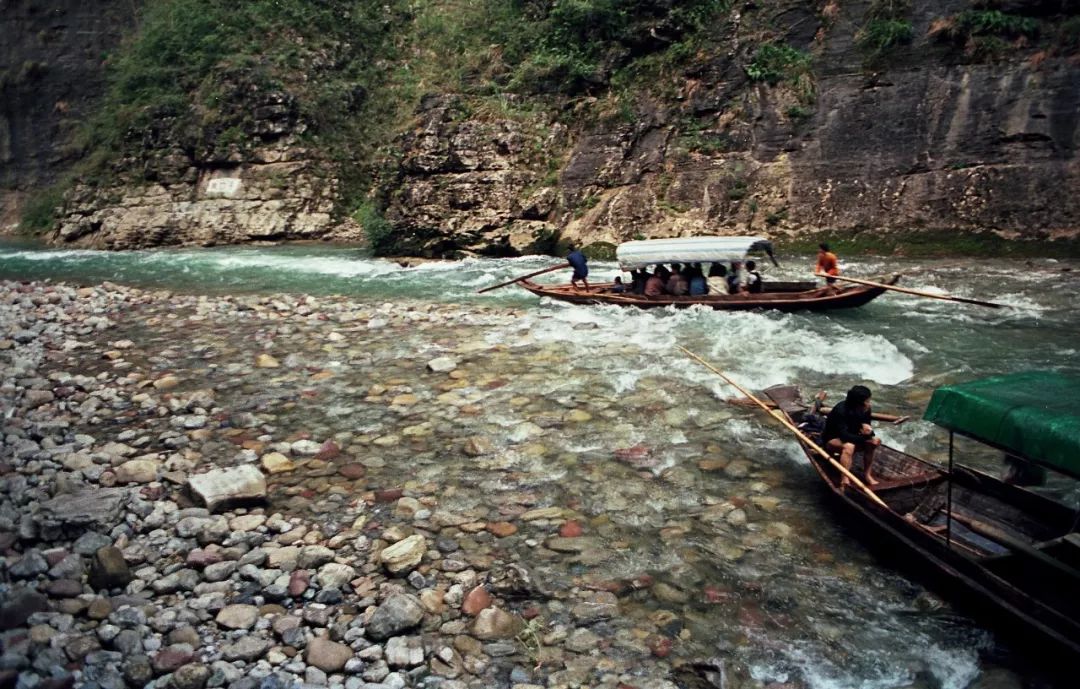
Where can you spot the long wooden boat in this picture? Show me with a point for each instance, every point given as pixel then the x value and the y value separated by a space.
pixel 1010 555
pixel 782 296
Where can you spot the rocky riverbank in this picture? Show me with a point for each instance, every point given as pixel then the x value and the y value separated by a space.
pixel 157 532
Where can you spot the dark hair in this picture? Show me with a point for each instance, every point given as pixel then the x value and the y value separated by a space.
pixel 618 279
pixel 823 246
pixel 750 265
pixel 858 394
pixel 717 270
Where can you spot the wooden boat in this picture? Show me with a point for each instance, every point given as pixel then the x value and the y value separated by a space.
pixel 1008 553
pixel 782 296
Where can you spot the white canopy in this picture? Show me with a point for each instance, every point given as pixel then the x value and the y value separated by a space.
pixel 633 255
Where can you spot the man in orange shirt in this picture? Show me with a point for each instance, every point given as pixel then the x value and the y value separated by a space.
pixel 827 265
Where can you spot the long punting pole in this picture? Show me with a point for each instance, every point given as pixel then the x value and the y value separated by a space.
pixel 523 277
pixel 779 416
pixel 918 293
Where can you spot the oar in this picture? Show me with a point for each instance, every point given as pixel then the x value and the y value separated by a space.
pixel 918 293
pixel 523 277
pixel 779 416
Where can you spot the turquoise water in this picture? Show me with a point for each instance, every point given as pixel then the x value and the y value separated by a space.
pixel 894 339
pixel 861 629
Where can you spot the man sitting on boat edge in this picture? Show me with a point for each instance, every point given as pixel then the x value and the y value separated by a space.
pixel 847 430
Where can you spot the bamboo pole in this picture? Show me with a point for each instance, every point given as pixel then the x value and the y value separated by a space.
pixel 779 416
pixel 917 293
pixel 523 277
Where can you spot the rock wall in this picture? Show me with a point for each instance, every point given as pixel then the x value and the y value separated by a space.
pixel 926 143
pixel 277 193
pixel 927 140
pixel 267 184
pixel 52 60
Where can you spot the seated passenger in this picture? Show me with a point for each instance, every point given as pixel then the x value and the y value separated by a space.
pixel 618 287
pixel 696 280
pixel 754 285
pixel 734 279
pixel 654 286
pixel 717 280
pixel 637 281
pixel 677 285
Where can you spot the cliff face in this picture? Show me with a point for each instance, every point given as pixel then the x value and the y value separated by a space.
pixel 52 73
pixel 267 185
pixel 925 143
pixel 944 131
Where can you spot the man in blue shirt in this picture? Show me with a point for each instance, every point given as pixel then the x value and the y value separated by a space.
pixel 580 265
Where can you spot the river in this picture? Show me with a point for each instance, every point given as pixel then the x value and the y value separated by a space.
pixel 791 593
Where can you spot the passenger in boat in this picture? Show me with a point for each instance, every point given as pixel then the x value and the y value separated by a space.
pixel 676 282
pixel 717 280
pixel 637 280
pixel 654 285
pixel 827 263
pixel 581 267
pixel 734 279
pixel 618 287
pixel 754 285
pixel 696 279
pixel 847 430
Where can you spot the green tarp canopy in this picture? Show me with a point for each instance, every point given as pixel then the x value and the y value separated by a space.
pixel 1033 414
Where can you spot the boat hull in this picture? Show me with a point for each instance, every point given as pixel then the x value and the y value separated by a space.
pixel 1028 611
pixel 782 298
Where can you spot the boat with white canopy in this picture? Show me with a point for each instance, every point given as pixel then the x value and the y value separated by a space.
pixel 644 254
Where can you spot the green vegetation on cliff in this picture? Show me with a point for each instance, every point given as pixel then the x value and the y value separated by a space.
pixel 194 75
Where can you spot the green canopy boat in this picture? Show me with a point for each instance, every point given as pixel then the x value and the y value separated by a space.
pixel 1011 553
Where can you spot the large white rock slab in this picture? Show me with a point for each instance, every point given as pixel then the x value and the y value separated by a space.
pixel 221 487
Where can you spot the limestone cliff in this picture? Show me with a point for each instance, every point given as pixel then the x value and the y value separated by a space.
pixel 932 141
pixel 963 119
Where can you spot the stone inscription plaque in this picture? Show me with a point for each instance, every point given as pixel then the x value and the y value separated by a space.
pixel 223 186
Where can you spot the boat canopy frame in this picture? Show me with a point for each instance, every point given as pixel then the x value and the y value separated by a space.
pixel 1031 415
pixel 648 252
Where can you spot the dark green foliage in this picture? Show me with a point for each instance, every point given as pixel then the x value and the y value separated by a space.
pixel 798 113
pixel 776 62
pixel 599 251
pixel 881 36
pixel 195 70
pixel 569 46
pixel 39 213
pixel 773 219
pixel 377 229
pixel 887 29
pixel 1068 34
pixel 995 23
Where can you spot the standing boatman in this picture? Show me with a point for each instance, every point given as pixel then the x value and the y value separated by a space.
pixel 827 264
pixel 580 265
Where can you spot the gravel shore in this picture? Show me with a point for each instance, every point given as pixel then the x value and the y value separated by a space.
pixel 153 537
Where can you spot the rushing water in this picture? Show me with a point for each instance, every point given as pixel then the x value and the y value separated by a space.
pixel 797 597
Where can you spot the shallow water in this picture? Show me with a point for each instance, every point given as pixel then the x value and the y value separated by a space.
pixel 559 388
